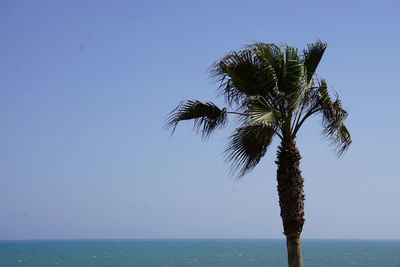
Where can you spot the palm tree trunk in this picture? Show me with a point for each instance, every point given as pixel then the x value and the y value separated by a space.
pixel 293 244
pixel 291 199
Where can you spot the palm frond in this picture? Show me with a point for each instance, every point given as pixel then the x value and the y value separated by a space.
pixel 269 54
pixel 318 100
pixel 316 96
pixel 207 116
pixel 242 74
pixel 247 146
pixel 260 111
pixel 293 70
pixel 312 56
pixel 334 128
pixel 293 84
pixel 341 139
pixel 273 59
pixel 333 117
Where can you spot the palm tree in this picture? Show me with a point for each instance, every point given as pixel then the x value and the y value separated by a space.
pixel 272 90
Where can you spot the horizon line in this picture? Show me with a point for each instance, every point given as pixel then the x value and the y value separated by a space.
pixel 193 238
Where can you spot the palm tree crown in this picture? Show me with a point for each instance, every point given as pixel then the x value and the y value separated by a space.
pixel 273 89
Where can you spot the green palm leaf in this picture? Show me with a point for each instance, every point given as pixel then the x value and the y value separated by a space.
pixel 341 139
pixel 335 130
pixel 247 146
pixel 260 111
pixel 207 116
pixel 293 71
pixel 333 117
pixel 242 74
pixel 312 56
pixel 293 79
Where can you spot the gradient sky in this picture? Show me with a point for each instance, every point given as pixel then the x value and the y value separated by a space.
pixel 86 86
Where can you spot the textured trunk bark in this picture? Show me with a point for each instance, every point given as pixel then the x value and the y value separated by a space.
pixel 291 199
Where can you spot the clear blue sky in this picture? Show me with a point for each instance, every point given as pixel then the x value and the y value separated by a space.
pixel 86 86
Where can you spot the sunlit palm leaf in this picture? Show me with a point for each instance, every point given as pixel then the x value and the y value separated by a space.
pixel 294 79
pixel 261 111
pixel 207 116
pixel 293 71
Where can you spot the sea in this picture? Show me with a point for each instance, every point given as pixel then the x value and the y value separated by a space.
pixel 197 252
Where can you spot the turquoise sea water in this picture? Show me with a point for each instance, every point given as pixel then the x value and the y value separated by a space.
pixel 219 253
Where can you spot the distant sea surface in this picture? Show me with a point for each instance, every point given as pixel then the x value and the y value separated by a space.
pixel 218 253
